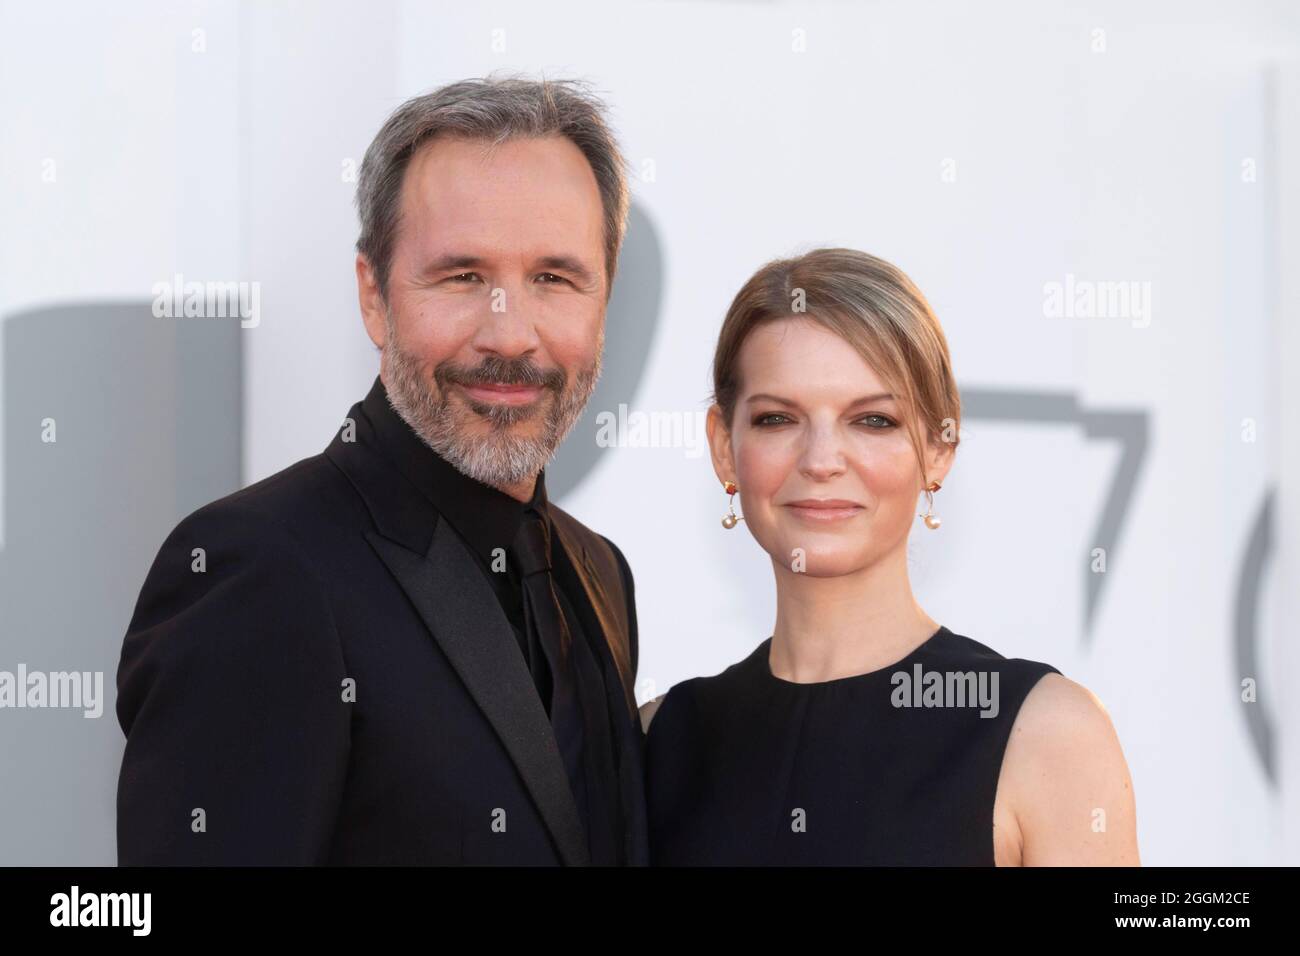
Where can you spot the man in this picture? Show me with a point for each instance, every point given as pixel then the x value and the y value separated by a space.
pixel 399 651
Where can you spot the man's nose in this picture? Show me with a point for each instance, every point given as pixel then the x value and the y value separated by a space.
pixel 506 326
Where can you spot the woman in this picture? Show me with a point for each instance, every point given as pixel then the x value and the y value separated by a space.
pixel 862 731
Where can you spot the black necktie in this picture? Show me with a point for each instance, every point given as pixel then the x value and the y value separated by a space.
pixel 552 667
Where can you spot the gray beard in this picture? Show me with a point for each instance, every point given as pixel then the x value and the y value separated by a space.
pixel 498 458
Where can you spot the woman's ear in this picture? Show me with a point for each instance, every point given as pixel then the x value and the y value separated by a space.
pixel 724 465
pixel 939 458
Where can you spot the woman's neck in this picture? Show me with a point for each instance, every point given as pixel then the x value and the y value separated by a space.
pixel 833 627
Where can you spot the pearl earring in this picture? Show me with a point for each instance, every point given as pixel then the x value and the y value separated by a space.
pixel 931 519
pixel 730 519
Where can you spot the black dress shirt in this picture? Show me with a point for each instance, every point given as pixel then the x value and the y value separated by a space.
pixel 488 520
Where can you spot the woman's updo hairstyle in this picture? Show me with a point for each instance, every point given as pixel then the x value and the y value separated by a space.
pixel 874 307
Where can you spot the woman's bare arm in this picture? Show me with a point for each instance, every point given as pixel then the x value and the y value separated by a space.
pixel 1072 794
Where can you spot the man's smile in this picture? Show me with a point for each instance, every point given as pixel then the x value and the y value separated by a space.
pixel 495 394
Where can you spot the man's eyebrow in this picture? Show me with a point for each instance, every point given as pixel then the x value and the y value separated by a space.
pixel 864 400
pixel 452 261
pixel 562 263
pixel 567 264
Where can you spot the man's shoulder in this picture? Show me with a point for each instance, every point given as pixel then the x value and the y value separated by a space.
pixel 297 499
pixel 258 550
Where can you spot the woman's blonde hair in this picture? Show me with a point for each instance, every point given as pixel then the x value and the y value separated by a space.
pixel 874 307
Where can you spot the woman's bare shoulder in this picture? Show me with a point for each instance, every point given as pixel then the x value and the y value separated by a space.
pixel 1071 790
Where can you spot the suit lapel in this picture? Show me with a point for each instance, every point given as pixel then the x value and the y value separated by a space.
pixel 599 616
pixel 609 641
pixel 462 613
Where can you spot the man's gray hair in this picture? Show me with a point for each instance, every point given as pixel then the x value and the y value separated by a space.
pixel 495 109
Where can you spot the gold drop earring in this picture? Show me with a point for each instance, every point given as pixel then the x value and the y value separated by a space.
pixel 730 519
pixel 931 519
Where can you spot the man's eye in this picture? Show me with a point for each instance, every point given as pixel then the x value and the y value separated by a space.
pixel 551 278
pixel 470 276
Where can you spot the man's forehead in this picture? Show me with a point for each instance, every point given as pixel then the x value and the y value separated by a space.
pixel 473 169
pixel 485 239
pixel 528 188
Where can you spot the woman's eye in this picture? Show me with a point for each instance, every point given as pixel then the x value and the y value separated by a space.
pixel 884 421
pixel 777 418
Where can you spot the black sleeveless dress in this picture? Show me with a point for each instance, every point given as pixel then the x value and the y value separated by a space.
pixel 895 767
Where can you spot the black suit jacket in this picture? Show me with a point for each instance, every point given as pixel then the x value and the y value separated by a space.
pixel 244 745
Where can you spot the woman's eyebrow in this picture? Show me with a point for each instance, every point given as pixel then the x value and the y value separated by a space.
pixel 764 397
pixel 868 399
pixel 864 400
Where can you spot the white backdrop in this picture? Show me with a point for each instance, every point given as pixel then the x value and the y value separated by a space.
pixel 987 154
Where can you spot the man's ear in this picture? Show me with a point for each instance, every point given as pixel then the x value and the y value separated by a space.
pixel 724 464
pixel 373 309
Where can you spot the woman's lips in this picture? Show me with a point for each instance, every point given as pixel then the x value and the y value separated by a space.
pixel 835 509
pixel 504 394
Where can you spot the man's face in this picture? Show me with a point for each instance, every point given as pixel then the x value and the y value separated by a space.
pixel 492 334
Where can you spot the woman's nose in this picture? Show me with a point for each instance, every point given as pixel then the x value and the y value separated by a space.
pixel 822 456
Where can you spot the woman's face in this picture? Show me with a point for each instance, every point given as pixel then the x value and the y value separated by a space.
pixel 819 451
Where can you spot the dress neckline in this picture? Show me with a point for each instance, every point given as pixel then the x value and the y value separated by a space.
pixel 764 650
